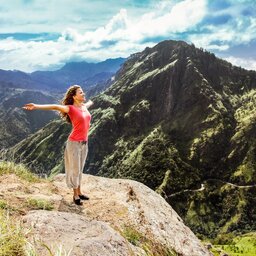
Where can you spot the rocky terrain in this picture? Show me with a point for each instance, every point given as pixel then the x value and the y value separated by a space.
pixel 122 217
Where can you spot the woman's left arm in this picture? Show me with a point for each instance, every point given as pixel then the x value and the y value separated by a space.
pixel 88 104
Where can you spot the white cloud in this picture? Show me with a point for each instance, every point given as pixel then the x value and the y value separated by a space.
pixel 249 63
pixel 239 31
pixel 29 55
pixel 161 22
pixel 207 40
pixel 121 36
pixel 168 19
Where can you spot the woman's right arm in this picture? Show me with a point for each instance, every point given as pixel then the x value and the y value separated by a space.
pixel 61 108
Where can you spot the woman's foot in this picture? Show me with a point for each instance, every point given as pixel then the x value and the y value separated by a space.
pixel 77 200
pixel 83 197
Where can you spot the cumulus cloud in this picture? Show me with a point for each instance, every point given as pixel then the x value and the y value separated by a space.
pixel 239 28
pixel 123 34
pixel 248 63
pixel 161 22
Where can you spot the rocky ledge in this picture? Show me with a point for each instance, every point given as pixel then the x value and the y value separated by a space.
pixel 122 217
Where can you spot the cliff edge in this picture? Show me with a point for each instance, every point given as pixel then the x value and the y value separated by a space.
pixel 122 217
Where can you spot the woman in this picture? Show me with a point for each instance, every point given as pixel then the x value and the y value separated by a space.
pixel 74 111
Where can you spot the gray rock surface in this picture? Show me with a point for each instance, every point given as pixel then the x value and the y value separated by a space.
pixel 74 233
pixel 122 217
pixel 129 203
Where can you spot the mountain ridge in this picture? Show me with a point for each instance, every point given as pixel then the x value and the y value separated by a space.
pixel 83 73
pixel 15 124
pixel 174 117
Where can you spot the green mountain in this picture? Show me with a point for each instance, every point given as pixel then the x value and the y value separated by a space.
pixel 182 122
pixel 15 123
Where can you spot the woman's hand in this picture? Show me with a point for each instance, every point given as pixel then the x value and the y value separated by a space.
pixel 30 106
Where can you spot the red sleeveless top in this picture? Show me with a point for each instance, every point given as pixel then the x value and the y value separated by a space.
pixel 80 119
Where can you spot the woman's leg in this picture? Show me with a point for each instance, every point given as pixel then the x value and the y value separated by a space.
pixel 72 158
pixel 76 193
pixel 84 153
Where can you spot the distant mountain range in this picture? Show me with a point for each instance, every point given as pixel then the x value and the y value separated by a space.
pixel 15 123
pixel 18 88
pixel 82 73
pixel 182 122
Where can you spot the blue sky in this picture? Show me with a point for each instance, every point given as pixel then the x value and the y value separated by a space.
pixel 44 35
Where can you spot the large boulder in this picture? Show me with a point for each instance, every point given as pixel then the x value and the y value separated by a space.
pixel 74 233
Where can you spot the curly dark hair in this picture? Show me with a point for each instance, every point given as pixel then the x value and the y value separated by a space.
pixel 68 100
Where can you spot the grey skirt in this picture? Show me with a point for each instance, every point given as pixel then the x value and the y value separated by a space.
pixel 74 158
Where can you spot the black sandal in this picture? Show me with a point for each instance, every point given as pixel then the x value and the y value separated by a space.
pixel 83 197
pixel 77 201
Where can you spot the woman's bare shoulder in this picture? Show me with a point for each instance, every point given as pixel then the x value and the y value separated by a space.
pixel 63 108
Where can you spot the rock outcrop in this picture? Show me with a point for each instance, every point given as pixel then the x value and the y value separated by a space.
pixel 122 217
pixel 75 233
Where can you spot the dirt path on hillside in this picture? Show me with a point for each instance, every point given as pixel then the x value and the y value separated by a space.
pixel 202 188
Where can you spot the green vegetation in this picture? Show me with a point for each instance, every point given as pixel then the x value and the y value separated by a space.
pixel 151 248
pixel 103 116
pixel 245 172
pixel 12 240
pixel 60 251
pixel 43 151
pixel 3 204
pixel 15 124
pixel 132 235
pixel 105 100
pixel 245 113
pixel 218 208
pixel 160 190
pixel 243 245
pixel 139 108
pixel 245 116
pixel 38 204
pixel 148 161
pixel 174 126
pixel 18 169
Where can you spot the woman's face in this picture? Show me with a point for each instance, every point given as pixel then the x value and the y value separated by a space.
pixel 80 95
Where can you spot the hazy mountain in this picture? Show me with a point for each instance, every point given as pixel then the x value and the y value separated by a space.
pixel 182 122
pixel 15 123
pixel 82 73
pixel 16 79
pixel 18 88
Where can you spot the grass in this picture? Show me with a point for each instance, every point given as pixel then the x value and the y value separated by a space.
pixel 3 204
pixel 60 251
pixel 132 235
pixel 18 169
pixel 40 204
pixel 151 248
pixel 12 240
pixel 244 245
